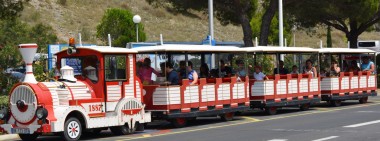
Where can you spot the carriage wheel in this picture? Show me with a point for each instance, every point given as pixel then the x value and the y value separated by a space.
pixel 122 130
pixel 335 103
pixel 179 122
pixel 271 110
pixel 72 129
pixel 227 116
pixel 28 137
pixel 305 107
pixel 363 100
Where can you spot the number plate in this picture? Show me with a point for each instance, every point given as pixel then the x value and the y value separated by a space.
pixel 20 131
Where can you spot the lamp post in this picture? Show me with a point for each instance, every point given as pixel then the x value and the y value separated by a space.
pixel 137 20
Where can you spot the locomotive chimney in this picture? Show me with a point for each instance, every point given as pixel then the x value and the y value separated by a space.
pixel 28 51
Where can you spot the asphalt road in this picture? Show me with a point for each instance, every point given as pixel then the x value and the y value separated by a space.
pixel 350 122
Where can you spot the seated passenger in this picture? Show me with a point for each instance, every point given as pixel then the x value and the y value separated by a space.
pixel 294 70
pixel 323 73
pixel 204 71
pixel 182 69
pixel 309 69
pixel 281 69
pixel 172 75
pixel 145 72
pixel 335 70
pixel 367 65
pixel 354 67
pixel 225 70
pixel 240 71
pixel 192 75
pixel 258 75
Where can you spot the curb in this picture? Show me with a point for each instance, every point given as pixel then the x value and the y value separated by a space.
pixel 7 137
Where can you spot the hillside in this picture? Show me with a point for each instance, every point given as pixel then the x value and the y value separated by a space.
pixel 82 16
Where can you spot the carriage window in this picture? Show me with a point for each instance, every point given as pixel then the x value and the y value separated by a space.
pixel 115 68
pixel 85 65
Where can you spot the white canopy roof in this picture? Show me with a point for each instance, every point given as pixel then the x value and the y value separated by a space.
pixel 107 49
pixel 345 50
pixel 276 49
pixel 188 48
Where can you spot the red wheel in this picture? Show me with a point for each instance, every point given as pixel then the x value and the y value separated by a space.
pixel 363 100
pixel 271 110
pixel 178 122
pixel 227 116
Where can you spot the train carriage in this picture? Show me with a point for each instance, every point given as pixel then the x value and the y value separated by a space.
pixel 97 89
pixel 209 97
pixel 349 84
pixel 282 90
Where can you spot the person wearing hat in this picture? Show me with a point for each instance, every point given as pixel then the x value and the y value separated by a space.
pixel 367 65
pixel 258 75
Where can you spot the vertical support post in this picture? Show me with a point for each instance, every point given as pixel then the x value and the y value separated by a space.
pixel 211 18
pixel 109 40
pixel 281 31
pixel 137 32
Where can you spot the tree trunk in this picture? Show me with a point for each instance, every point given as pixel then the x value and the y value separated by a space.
pixel 353 38
pixel 247 30
pixel 266 22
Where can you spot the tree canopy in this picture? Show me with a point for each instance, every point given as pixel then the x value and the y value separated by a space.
pixel 236 12
pixel 352 17
pixel 119 23
pixel 11 8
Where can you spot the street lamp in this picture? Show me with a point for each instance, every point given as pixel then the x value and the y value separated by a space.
pixel 137 20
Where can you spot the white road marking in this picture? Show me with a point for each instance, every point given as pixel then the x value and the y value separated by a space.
pixel 278 140
pixel 327 138
pixel 362 124
pixel 368 112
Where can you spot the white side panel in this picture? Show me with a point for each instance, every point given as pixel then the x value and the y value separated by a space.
pixel 129 91
pixel 160 96
pixel 345 83
pixel 281 87
pixel 371 81
pixel 240 90
pixel 363 82
pixel 261 88
pixel 138 91
pixel 210 89
pixel 174 95
pixel 354 82
pixel 194 94
pixel 113 92
pixel 292 86
pixel 304 85
pixel 330 84
pixel 314 85
pixel 225 91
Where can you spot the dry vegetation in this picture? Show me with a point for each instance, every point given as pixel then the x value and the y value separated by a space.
pixel 74 16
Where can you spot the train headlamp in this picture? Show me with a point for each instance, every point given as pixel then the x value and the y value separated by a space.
pixel 3 113
pixel 41 113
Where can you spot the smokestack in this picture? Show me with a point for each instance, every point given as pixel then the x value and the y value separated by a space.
pixel 28 51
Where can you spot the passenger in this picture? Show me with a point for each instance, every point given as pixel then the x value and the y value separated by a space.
pixel 354 67
pixel 225 70
pixel 163 67
pixel 172 76
pixel 281 68
pixel 146 71
pixel 182 69
pixel 323 73
pixel 294 70
pixel 240 71
pixel 367 65
pixel 258 75
pixel 335 70
pixel 138 66
pixel 192 75
pixel 309 69
pixel 204 71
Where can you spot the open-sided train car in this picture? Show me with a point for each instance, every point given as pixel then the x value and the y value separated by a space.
pixel 97 89
pixel 351 83
pixel 282 90
pixel 209 97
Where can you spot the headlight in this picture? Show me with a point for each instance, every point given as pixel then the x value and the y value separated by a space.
pixel 3 113
pixel 41 113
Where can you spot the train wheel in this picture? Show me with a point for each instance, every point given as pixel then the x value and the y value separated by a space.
pixel 122 130
pixel 72 129
pixel 363 100
pixel 227 116
pixel 140 127
pixel 305 107
pixel 28 137
pixel 179 122
pixel 271 110
pixel 335 103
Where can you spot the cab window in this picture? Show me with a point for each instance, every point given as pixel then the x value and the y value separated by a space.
pixel 115 67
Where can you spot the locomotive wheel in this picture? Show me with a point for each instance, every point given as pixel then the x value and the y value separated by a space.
pixel 28 137
pixel 363 100
pixel 335 103
pixel 305 107
pixel 140 127
pixel 122 130
pixel 72 129
pixel 179 122
pixel 271 110
pixel 227 116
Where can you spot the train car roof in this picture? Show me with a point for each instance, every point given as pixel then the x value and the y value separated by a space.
pixel 107 49
pixel 277 49
pixel 187 48
pixel 345 50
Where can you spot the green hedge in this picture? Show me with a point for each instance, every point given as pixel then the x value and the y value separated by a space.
pixel 3 100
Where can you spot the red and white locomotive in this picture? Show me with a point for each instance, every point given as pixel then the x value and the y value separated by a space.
pixel 94 99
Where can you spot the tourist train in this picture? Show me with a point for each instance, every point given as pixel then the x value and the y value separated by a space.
pixel 122 89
